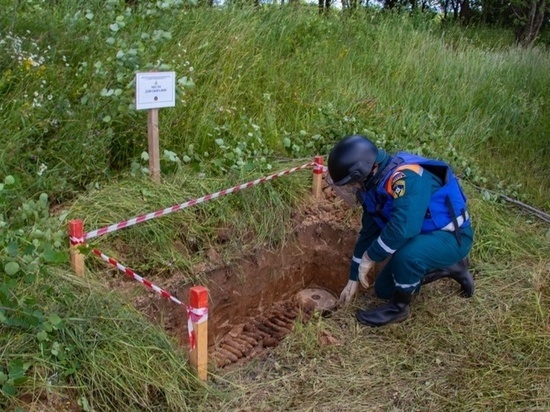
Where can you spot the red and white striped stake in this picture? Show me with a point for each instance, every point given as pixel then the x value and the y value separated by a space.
pixel 76 237
pixel 198 356
pixel 317 176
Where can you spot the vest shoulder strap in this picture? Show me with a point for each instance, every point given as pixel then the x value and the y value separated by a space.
pixel 398 174
pixel 413 167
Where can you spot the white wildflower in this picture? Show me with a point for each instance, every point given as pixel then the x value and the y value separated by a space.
pixel 41 169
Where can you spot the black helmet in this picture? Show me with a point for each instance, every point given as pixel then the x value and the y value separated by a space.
pixel 351 160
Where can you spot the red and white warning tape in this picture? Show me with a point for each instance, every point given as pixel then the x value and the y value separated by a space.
pixel 175 208
pixel 318 168
pixel 194 315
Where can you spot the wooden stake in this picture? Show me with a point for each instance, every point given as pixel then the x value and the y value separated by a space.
pixel 153 140
pixel 198 357
pixel 317 176
pixel 76 237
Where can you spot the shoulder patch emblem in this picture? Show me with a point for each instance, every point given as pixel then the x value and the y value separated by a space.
pixel 397 176
pixel 398 188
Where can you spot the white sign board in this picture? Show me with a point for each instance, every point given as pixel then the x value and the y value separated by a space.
pixel 155 90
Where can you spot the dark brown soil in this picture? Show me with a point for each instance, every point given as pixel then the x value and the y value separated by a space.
pixel 252 305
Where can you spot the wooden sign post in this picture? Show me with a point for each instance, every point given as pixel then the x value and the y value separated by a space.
pixel 153 144
pixel 153 91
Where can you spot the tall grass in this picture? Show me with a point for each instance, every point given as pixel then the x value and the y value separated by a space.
pixel 260 91
pixel 261 76
pixel 232 225
pixel 106 356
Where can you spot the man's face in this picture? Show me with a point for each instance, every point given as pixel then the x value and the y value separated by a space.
pixel 348 192
pixel 353 187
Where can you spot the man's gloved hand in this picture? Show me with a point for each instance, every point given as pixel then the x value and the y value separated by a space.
pixel 364 268
pixel 349 291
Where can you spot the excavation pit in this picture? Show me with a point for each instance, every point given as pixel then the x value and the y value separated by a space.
pixel 256 300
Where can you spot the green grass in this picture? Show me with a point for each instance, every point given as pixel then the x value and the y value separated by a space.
pixel 123 361
pixel 179 240
pixel 260 77
pixel 266 90
pixel 490 352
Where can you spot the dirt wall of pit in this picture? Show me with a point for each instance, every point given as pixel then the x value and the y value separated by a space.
pixel 251 299
pixel 317 253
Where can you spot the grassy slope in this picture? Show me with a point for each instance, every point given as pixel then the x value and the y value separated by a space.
pixel 487 353
pixel 286 84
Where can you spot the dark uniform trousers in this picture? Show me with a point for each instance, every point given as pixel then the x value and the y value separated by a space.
pixel 420 255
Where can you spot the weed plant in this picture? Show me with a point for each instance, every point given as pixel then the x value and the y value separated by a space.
pixel 259 91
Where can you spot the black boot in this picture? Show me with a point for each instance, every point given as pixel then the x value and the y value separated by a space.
pixel 457 271
pixel 396 310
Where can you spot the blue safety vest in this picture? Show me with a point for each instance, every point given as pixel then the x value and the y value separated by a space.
pixel 447 204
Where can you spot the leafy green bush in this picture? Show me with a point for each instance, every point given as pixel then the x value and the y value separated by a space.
pixel 30 241
pixel 58 331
